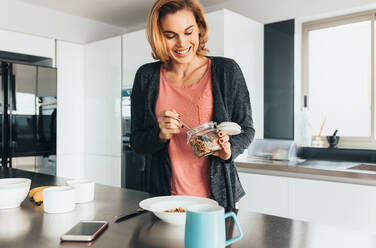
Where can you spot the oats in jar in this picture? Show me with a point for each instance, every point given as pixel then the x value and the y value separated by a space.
pixel 204 139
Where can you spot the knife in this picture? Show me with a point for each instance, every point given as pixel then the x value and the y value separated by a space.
pixel 130 215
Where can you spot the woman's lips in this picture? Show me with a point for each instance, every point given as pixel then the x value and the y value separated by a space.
pixel 182 53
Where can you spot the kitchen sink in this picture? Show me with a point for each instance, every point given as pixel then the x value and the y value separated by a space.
pixel 368 167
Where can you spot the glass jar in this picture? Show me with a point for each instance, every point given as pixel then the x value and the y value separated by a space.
pixel 204 139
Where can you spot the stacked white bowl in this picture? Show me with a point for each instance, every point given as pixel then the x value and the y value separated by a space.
pixel 84 189
pixel 63 199
pixel 13 191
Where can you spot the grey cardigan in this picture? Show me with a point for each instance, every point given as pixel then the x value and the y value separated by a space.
pixel 231 103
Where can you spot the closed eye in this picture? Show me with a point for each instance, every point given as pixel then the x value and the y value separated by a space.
pixel 169 36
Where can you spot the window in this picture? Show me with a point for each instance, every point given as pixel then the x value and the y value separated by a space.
pixel 338 78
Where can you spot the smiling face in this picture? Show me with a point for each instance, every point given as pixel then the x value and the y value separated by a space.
pixel 181 35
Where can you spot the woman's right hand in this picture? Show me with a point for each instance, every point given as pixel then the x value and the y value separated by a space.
pixel 168 121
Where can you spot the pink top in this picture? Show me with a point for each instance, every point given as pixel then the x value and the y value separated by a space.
pixel 190 175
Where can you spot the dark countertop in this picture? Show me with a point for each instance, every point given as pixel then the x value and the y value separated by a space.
pixel 29 226
pixel 335 171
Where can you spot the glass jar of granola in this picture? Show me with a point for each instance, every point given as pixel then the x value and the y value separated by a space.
pixel 204 139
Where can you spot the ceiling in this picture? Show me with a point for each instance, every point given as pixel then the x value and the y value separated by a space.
pixel 132 14
pixel 122 13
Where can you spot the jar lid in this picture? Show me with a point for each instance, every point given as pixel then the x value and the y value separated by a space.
pixel 230 128
pixel 202 127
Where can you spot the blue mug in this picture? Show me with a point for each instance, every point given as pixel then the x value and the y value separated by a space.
pixel 205 227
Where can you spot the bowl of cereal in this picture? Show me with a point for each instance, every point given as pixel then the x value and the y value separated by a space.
pixel 171 209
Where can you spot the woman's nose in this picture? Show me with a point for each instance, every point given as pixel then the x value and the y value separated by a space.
pixel 181 40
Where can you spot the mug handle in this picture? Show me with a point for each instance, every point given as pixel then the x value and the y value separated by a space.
pixel 230 241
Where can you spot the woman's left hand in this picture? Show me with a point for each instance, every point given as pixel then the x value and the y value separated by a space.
pixel 223 141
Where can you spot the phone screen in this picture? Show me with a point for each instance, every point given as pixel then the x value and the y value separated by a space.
pixel 84 231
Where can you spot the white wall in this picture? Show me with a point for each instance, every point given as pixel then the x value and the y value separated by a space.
pixel 70 105
pixel 29 19
pixel 102 118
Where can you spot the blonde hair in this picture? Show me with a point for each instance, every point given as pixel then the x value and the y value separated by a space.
pixel 162 8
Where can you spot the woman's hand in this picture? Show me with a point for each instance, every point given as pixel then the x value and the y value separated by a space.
pixel 225 153
pixel 168 121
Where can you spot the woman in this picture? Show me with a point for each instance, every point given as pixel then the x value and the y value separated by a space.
pixel 185 86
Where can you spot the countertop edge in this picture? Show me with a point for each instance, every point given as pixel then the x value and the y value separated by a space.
pixel 307 173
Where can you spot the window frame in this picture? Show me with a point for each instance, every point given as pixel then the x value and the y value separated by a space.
pixel 345 142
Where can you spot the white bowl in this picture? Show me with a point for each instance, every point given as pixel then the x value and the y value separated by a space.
pixel 159 233
pixel 159 204
pixel 13 191
pixel 171 218
pixel 60 199
pixel 84 189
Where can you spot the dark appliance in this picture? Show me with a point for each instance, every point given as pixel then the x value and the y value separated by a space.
pixel 28 114
pixel 136 166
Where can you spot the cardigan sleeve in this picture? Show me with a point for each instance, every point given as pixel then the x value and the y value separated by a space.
pixel 241 114
pixel 144 137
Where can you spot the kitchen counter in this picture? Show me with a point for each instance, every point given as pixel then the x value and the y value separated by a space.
pixel 309 169
pixel 29 226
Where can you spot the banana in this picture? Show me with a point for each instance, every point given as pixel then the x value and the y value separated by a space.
pixel 35 190
pixel 38 197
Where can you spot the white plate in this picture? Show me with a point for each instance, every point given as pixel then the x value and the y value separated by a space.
pixel 159 204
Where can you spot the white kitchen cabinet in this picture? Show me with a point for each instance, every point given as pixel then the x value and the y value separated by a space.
pixel 340 204
pixel 102 118
pixel 234 36
pixel 333 203
pixel 264 194
pixel 27 44
pixel 89 99
pixel 136 52
pixel 70 104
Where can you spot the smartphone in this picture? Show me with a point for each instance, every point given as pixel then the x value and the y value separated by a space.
pixel 85 231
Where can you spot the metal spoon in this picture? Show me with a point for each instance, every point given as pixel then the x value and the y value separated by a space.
pixel 185 125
